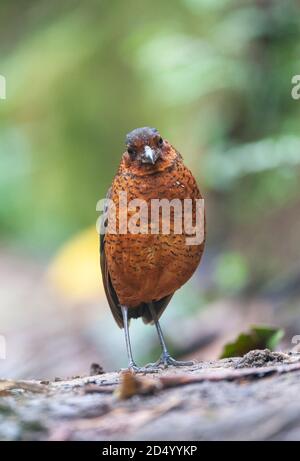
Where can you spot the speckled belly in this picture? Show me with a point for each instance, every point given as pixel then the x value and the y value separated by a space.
pixel 144 268
pixel 147 267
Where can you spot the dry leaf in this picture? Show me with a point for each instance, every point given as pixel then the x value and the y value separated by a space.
pixel 133 385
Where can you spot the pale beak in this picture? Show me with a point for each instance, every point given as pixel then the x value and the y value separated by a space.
pixel 149 155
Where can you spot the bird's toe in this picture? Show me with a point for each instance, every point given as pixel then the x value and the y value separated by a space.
pixel 136 369
pixel 166 360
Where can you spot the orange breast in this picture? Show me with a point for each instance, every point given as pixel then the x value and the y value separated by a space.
pixel 147 267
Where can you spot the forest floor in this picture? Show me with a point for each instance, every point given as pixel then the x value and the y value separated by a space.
pixel 251 398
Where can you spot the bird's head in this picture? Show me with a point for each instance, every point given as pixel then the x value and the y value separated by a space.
pixel 144 146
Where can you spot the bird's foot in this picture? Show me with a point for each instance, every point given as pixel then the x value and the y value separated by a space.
pixel 166 360
pixel 135 369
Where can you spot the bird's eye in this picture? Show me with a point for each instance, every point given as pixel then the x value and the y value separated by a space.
pixel 160 141
pixel 131 152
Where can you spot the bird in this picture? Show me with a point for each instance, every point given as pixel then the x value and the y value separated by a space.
pixel 142 270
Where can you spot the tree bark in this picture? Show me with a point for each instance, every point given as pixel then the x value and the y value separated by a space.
pixel 251 398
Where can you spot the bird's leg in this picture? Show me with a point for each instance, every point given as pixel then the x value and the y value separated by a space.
pixel 165 359
pixel 131 363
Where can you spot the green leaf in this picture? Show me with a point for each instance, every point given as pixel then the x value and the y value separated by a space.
pixel 259 337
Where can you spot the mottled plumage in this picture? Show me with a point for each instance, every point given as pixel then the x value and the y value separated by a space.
pixel 143 270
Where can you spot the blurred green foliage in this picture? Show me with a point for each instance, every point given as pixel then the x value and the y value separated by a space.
pixel 258 337
pixel 214 77
pixel 231 273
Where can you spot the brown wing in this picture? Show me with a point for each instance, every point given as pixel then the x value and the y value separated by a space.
pixel 111 295
pixel 159 307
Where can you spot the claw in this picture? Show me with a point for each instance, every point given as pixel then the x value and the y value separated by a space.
pixel 135 369
pixel 166 360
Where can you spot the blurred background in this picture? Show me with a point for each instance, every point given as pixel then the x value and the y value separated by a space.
pixel 215 78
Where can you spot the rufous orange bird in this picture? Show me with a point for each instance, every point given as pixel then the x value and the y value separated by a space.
pixel 141 270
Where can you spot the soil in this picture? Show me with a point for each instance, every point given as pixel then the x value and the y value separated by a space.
pixel 255 397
